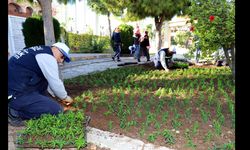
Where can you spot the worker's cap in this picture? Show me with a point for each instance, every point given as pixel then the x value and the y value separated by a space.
pixel 64 49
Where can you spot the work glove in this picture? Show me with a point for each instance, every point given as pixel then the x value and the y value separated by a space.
pixel 67 101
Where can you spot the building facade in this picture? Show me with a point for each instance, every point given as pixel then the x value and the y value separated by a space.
pixel 17 13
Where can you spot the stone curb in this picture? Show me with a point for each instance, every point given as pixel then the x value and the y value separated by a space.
pixel 105 139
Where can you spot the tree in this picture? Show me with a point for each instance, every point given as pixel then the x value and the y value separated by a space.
pixel 213 21
pixel 182 38
pixel 49 36
pixel 160 10
pixel 100 8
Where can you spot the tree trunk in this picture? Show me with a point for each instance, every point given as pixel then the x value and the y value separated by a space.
pixel 233 60
pixel 158 24
pixel 48 27
pixel 110 31
pixel 49 36
pixel 230 60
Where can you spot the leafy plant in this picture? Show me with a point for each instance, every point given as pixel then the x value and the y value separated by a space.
pixel 217 127
pixel 169 138
pixel 152 137
pixel 63 129
pixel 208 136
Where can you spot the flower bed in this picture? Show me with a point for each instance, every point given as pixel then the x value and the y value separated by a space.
pixel 182 109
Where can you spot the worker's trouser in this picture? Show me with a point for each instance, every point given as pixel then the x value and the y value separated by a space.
pixel 33 105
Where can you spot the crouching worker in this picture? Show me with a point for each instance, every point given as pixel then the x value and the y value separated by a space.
pixel 32 73
pixel 163 59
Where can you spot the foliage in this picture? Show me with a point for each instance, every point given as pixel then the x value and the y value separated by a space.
pixel 33 31
pixel 88 43
pixel 149 28
pixel 154 103
pixel 169 137
pixel 182 38
pixel 213 22
pixel 160 10
pixel 98 6
pixel 179 64
pixel 55 131
pixel 64 36
pixel 114 6
pixel 127 37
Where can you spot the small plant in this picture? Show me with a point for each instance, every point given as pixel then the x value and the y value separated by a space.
pixel 142 131
pixel 176 124
pixel 195 127
pixel 152 137
pixel 80 142
pixel 157 125
pixel 226 146
pixel 204 115
pixel 191 144
pixel 208 136
pixel 188 113
pixel 169 138
pixel 164 117
pixel 110 125
pixel 217 127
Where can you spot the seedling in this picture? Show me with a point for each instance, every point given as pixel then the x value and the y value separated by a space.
pixel 169 138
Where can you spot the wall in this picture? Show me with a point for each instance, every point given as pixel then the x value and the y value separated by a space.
pixel 15 34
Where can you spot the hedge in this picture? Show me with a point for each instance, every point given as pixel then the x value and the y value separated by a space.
pixel 86 43
pixel 127 37
pixel 33 31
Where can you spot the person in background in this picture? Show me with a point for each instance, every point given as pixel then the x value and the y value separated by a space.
pixel 33 74
pixel 117 41
pixel 144 44
pixel 163 58
pixel 137 30
pixel 137 46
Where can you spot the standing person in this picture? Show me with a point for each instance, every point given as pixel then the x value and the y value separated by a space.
pixel 144 44
pixel 32 73
pixel 163 59
pixel 137 30
pixel 137 46
pixel 116 38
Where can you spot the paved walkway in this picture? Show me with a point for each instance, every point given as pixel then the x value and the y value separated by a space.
pixel 82 67
pixel 99 140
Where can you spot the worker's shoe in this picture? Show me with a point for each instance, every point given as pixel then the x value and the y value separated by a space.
pixel 14 120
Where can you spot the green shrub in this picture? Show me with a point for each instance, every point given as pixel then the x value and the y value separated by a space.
pixel 87 43
pixel 64 37
pixel 179 64
pixel 33 31
pixel 127 37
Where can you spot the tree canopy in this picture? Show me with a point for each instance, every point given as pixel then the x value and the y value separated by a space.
pixel 213 21
pixel 160 10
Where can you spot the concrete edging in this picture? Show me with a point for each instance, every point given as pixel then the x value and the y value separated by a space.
pixel 105 139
